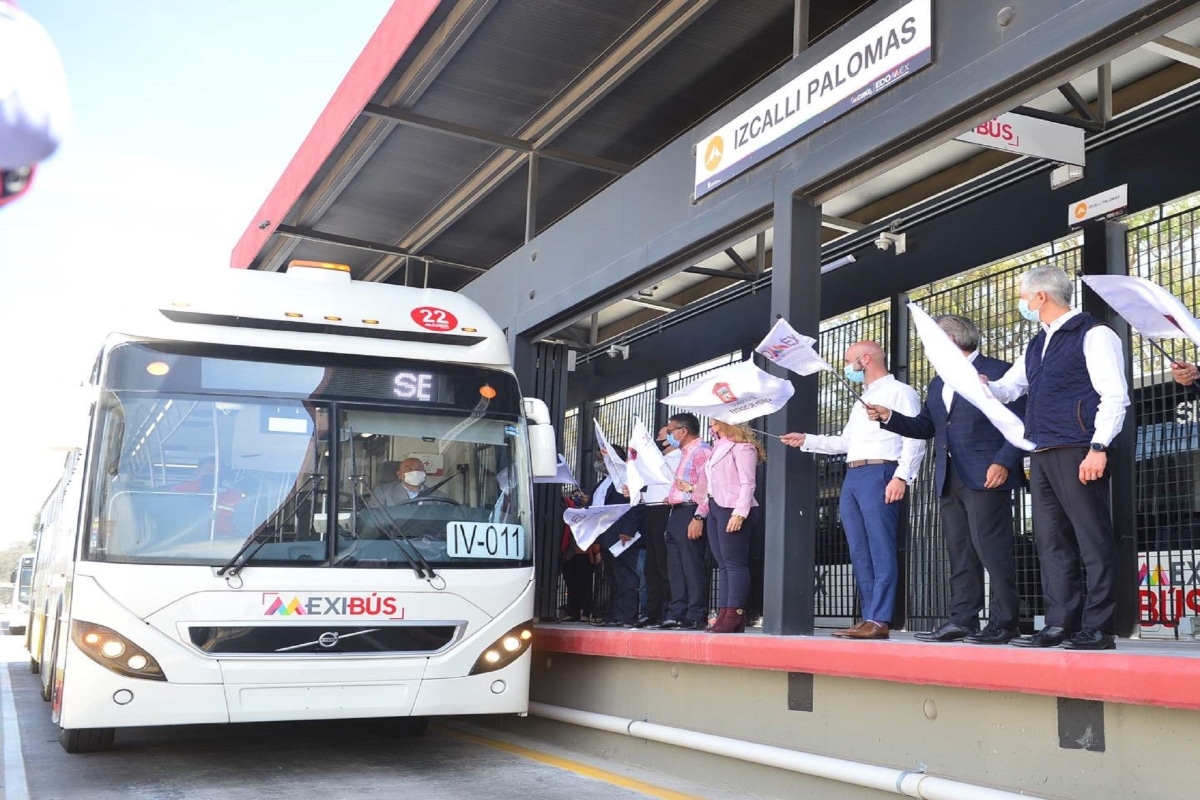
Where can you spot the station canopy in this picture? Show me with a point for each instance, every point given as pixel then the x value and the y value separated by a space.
pixel 465 127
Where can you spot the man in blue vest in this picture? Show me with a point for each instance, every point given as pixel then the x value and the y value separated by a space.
pixel 976 471
pixel 1074 374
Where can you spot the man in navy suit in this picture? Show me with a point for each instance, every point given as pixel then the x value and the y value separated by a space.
pixel 976 472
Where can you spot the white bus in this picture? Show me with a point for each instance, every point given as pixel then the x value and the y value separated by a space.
pixel 227 547
pixel 22 580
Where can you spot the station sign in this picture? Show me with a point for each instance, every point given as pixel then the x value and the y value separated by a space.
pixel 1027 136
pixel 866 66
pixel 1104 205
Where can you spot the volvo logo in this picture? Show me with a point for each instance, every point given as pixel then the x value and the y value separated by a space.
pixel 327 639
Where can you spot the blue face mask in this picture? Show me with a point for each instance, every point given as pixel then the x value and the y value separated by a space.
pixel 854 375
pixel 1027 312
pixel 671 440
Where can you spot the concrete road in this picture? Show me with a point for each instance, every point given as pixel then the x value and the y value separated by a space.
pixel 296 761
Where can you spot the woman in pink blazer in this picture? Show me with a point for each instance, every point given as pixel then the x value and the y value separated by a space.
pixel 731 471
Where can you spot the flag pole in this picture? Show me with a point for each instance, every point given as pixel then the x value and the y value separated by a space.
pixel 761 433
pixel 849 386
pixel 1160 349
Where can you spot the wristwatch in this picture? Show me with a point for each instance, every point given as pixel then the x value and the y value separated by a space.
pixel 1098 448
pixel 698 517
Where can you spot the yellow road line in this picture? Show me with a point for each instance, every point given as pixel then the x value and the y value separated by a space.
pixel 648 789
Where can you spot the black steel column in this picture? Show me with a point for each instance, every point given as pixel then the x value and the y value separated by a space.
pixel 898 366
pixel 660 411
pixel 1104 253
pixel 791 482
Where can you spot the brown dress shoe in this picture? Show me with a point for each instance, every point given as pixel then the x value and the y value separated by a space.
pixel 868 630
pixel 848 632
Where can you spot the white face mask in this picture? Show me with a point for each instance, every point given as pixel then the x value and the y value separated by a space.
pixel 414 478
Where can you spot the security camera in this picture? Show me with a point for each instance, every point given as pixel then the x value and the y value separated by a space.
pixel 886 241
pixel 615 350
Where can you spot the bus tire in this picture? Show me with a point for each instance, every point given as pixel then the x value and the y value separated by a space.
pixel 86 740
pixel 47 686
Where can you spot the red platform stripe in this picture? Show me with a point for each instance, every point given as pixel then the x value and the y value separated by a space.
pixel 1110 676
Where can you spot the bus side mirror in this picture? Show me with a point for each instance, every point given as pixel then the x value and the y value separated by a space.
pixel 542 449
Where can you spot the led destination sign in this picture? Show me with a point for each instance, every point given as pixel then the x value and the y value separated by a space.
pixel 190 368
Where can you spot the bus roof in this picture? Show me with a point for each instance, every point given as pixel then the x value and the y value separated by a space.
pixel 324 310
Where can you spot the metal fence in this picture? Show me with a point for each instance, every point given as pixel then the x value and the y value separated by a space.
pixel 987 296
pixel 1167 474
pixel 1167 467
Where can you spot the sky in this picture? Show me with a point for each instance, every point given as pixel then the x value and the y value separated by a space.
pixel 185 114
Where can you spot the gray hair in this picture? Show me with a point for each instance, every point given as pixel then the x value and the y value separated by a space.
pixel 1050 279
pixel 961 330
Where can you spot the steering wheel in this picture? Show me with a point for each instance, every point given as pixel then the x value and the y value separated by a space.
pixel 430 499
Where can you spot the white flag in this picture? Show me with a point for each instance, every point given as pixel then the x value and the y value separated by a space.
pixel 792 350
pixel 1150 309
pixel 734 394
pixel 612 463
pixel 588 523
pixel 646 465
pixel 961 376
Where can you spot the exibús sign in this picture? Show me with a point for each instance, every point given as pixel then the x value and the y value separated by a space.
pixel 864 67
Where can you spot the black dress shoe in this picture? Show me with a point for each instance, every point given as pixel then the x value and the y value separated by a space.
pixel 1091 639
pixel 647 622
pixel 691 625
pixel 993 634
pixel 950 632
pixel 666 625
pixel 1049 636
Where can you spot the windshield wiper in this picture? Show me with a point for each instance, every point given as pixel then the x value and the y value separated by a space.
pixel 269 526
pixel 391 529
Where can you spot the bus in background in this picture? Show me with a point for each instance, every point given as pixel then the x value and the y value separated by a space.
pixel 18 610
pixel 287 507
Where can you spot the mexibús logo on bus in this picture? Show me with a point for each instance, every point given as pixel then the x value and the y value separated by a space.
pixel 353 605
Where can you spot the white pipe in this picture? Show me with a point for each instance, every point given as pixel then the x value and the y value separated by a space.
pixel 883 779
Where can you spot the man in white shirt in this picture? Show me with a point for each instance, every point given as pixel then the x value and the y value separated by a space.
pixel 880 465
pixel 1074 374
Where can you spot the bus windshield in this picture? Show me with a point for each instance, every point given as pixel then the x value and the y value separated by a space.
pixel 316 460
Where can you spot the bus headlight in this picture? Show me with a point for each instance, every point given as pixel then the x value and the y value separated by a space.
pixel 505 650
pixel 115 652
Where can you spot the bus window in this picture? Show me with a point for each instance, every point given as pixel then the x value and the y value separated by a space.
pixel 185 480
pixel 426 478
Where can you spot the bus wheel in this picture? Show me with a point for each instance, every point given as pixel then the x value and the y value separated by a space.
pixel 86 740
pixel 47 687
pixel 34 666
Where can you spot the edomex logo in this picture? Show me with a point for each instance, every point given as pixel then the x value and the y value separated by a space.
pixel 713 152
pixel 1080 210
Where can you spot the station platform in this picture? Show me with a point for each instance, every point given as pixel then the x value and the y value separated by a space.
pixel 1139 672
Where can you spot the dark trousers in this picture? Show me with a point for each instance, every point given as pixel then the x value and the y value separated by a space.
pixel 732 552
pixel 1072 525
pixel 623 600
pixel 871 526
pixel 578 572
pixel 658 580
pixel 977 526
pixel 685 565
